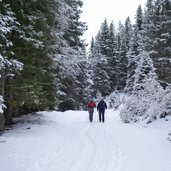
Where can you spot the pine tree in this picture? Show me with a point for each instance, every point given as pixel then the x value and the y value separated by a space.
pixel 10 66
pixel 76 28
pixel 149 26
pixel 101 67
pixel 136 47
pixel 97 43
pixel 145 99
pixel 112 56
pixel 121 58
pixel 145 69
pixel 112 40
pixel 101 79
pixel 92 46
pixel 104 38
pixel 70 59
pixel 32 89
pixel 161 46
pixel 128 33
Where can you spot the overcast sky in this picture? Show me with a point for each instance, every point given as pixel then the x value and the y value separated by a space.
pixel 95 11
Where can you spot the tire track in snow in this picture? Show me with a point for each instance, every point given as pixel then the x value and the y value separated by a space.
pixel 108 154
pixel 68 150
pixel 106 157
pixel 88 149
pixel 99 150
pixel 120 158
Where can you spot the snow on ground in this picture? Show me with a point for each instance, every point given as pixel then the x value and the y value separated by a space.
pixel 56 141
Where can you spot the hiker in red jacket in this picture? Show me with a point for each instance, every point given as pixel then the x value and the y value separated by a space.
pixel 91 107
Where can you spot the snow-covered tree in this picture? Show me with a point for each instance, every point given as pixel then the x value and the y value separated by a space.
pixel 104 38
pixel 136 46
pixel 76 27
pixel 69 59
pixel 97 43
pixel 112 60
pixel 161 51
pixel 31 46
pixel 9 65
pixel 112 41
pixel 92 46
pixel 149 25
pixel 114 100
pixel 100 80
pixel 145 68
pixel 146 100
pixel 166 103
pixel 101 60
pixel 121 59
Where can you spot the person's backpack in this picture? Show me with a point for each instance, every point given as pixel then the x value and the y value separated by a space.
pixel 91 104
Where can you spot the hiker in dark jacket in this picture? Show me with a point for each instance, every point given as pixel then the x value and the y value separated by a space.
pixel 91 107
pixel 101 109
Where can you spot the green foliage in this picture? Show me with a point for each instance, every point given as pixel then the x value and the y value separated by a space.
pixel 32 89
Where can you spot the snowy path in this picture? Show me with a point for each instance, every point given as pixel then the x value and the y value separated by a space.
pixel 66 141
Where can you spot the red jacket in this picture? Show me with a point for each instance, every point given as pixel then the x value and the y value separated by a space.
pixel 91 104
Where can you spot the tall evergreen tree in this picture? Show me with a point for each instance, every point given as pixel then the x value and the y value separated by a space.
pixel 101 66
pixel 121 57
pixel 149 26
pixel 112 56
pixel 71 59
pixel 76 27
pixel 145 69
pixel 112 40
pixel 92 47
pixel 128 33
pixel 104 38
pixel 136 46
pixel 161 46
pixel 32 49
pixel 100 77
pixel 9 64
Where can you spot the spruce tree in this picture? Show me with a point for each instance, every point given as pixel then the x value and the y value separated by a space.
pixel 70 59
pixel 161 46
pixel 104 38
pixel 112 56
pixel 121 59
pixel 32 89
pixel 101 67
pixel 136 46
pixel 76 27
pixel 149 26
pixel 112 40
pixel 10 66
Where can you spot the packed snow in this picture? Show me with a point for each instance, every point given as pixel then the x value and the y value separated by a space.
pixel 67 141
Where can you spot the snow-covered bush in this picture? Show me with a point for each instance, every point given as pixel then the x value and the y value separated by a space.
pixel 114 100
pixel 148 100
pixel 166 103
pixel 148 103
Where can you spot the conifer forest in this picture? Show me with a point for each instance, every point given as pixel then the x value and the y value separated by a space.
pixel 45 63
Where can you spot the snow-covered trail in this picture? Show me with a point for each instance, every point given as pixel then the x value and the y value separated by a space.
pixel 54 141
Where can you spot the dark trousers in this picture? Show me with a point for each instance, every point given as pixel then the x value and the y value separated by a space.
pixel 91 111
pixel 101 115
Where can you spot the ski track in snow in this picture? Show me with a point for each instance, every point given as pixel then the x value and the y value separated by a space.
pixel 66 141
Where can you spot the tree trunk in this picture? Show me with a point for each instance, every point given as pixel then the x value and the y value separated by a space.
pixel 8 102
pixel 2 119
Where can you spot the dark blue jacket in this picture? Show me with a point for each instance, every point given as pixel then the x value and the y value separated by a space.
pixel 102 105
